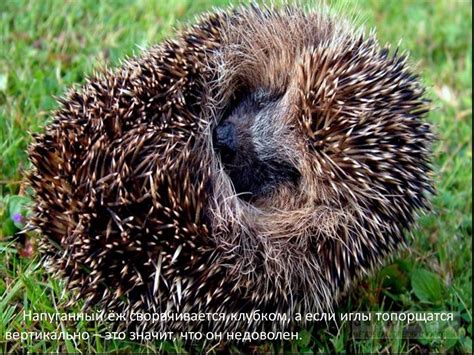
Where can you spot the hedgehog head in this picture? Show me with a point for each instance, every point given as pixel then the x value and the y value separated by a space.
pixel 252 145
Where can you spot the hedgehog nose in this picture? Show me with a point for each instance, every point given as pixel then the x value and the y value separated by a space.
pixel 225 138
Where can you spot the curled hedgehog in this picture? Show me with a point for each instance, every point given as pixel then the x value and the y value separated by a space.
pixel 263 159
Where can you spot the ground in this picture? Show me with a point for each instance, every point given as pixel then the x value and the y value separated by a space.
pixel 47 46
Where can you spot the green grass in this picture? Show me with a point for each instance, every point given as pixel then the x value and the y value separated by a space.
pixel 47 46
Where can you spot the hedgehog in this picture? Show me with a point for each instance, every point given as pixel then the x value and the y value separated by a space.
pixel 264 159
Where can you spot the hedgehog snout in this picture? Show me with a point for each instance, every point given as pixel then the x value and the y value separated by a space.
pixel 225 139
pixel 248 146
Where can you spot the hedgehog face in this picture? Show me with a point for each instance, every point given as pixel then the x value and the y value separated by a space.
pixel 250 141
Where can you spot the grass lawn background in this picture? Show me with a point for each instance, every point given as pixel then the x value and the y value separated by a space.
pixel 47 46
